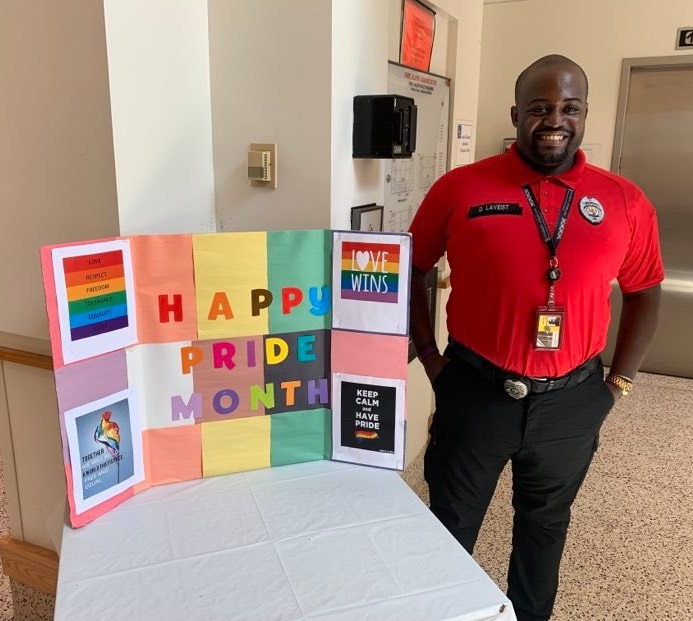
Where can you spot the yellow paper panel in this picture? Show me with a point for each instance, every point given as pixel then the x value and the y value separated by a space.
pixel 235 445
pixel 228 267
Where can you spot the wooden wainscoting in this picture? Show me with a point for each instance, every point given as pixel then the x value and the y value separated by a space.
pixel 29 564
pixel 24 562
pixel 27 358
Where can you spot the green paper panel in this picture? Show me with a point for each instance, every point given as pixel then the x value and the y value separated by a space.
pixel 298 261
pixel 300 436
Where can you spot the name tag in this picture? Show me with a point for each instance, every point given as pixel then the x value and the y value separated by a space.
pixel 495 209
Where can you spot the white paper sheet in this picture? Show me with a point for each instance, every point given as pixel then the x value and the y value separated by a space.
pixel 109 338
pixel 368 420
pixel 370 276
pixel 104 462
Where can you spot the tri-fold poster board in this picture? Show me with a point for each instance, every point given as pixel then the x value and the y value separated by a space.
pixel 184 356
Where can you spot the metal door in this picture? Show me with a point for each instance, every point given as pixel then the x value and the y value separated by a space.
pixel 654 148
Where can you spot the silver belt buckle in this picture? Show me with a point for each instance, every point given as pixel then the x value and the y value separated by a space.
pixel 517 389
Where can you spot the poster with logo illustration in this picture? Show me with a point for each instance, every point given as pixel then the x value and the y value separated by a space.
pixel 105 438
pixel 371 274
pixel 370 416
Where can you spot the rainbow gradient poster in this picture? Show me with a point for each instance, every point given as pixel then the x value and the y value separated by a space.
pixel 95 298
pixel 179 357
pixel 371 277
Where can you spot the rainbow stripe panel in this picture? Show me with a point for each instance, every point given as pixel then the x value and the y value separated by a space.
pixel 96 294
pixel 370 272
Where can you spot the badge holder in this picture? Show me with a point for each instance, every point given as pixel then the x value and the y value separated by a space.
pixel 550 319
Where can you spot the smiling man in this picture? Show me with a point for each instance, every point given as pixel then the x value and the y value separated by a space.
pixel 550 112
pixel 534 238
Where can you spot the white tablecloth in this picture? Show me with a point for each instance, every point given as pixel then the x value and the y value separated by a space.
pixel 320 540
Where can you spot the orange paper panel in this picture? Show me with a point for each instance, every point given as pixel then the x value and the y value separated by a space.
pixel 173 454
pixel 163 266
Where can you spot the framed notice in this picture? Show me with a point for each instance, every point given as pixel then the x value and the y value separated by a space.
pixel 367 218
pixel 418 30
pixel 463 148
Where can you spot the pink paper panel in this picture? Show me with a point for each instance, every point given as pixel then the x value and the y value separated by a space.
pixel 87 381
pixel 360 353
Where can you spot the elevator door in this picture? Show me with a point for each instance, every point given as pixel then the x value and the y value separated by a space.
pixel 656 152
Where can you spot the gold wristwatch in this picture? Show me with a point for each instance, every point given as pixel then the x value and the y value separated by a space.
pixel 623 383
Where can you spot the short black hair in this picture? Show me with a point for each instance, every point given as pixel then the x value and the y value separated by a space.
pixel 552 60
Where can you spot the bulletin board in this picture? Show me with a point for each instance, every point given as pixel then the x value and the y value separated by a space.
pixel 178 357
pixel 408 179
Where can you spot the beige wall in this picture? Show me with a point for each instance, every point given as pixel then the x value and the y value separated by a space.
pixel 597 34
pixel 271 82
pixel 57 184
pixel 57 180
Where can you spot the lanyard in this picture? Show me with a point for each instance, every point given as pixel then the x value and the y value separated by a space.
pixel 551 241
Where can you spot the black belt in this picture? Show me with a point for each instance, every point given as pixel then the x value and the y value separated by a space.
pixel 517 386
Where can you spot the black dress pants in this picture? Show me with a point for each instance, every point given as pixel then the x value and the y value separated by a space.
pixel 550 439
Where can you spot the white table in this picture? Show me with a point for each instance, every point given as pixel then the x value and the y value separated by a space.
pixel 321 541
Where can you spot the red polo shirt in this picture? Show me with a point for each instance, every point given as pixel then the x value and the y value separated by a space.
pixel 479 215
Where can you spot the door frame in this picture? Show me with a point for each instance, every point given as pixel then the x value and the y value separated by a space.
pixel 629 65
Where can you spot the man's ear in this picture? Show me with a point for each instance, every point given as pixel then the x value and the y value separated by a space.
pixel 513 115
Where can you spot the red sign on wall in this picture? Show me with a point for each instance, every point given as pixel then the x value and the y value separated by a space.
pixel 418 29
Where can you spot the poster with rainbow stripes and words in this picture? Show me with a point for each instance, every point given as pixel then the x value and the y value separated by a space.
pixel 184 356
pixel 95 301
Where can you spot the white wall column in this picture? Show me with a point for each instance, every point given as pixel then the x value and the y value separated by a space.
pixel 158 63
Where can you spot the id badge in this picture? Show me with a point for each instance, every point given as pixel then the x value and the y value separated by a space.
pixel 549 328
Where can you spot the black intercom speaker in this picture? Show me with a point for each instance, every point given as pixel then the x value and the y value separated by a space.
pixel 384 126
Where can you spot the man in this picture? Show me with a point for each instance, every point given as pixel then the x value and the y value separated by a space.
pixel 534 237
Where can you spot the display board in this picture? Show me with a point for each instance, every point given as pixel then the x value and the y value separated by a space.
pixel 408 179
pixel 185 356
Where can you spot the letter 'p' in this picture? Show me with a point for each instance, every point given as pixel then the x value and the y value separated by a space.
pixel 291 297
pixel 259 299
pixel 189 357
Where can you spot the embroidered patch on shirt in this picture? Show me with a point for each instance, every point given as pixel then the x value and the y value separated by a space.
pixel 495 209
